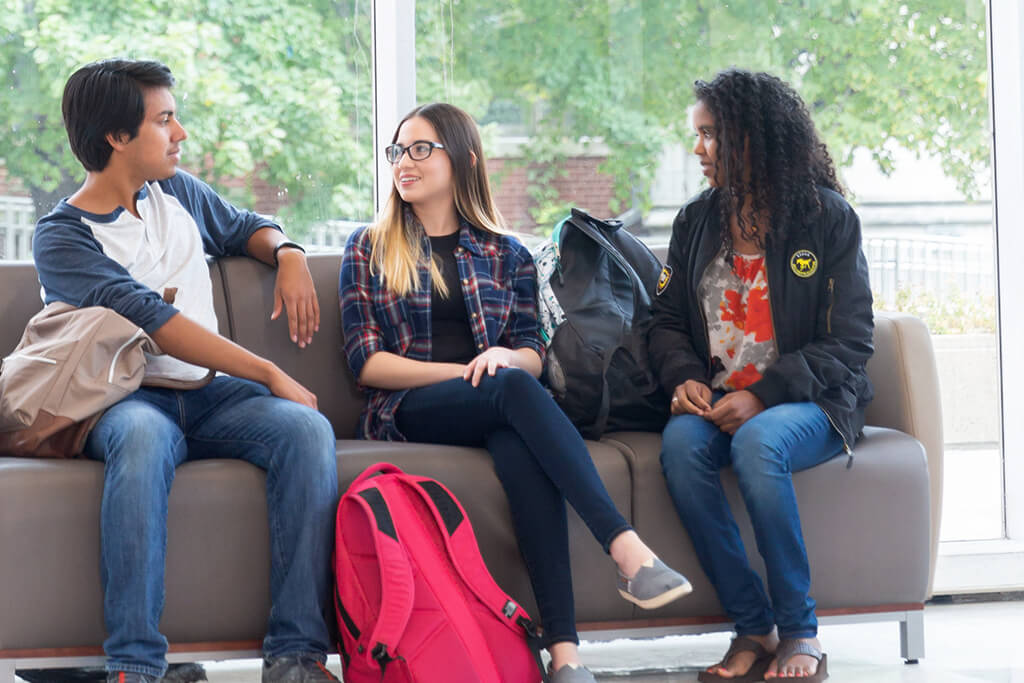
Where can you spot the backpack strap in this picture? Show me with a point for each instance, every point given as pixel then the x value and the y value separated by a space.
pixel 396 580
pixel 460 541
pixel 587 224
pixel 556 237
pixel 374 470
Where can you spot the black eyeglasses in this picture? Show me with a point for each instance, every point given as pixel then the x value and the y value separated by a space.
pixel 418 151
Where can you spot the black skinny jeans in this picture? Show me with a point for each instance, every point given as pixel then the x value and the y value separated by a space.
pixel 541 462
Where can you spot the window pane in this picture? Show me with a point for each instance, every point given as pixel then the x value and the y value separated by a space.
pixel 275 98
pixel 586 104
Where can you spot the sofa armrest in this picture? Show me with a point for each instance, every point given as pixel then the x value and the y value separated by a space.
pixel 907 398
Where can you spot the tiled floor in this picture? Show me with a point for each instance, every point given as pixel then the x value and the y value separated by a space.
pixel 964 643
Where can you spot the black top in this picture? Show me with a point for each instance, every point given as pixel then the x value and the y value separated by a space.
pixel 451 338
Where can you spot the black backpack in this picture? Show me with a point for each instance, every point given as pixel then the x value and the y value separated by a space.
pixel 596 282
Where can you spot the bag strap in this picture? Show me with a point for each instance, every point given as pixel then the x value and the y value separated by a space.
pixel 462 547
pixel 460 542
pixel 588 225
pixel 374 470
pixel 556 240
pixel 396 580
pixel 585 223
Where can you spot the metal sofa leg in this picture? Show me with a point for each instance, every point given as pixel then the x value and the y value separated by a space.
pixel 912 636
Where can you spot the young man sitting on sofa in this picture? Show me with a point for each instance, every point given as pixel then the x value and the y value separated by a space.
pixel 133 238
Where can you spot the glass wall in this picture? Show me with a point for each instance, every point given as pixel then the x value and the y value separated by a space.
pixel 586 104
pixel 276 98
pixel 581 104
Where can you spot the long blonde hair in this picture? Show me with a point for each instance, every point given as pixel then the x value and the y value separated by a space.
pixel 395 241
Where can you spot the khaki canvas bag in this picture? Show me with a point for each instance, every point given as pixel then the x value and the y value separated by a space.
pixel 70 365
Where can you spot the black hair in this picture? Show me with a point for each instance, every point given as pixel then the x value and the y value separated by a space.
pixel 108 97
pixel 761 121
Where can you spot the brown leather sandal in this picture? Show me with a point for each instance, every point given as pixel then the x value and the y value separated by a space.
pixel 789 648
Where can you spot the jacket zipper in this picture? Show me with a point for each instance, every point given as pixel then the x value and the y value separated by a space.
pixel 775 340
pixel 831 303
pixel 846 446
pixel 113 361
pixel 828 328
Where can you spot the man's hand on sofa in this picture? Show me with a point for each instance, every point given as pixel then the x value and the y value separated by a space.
pixel 295 293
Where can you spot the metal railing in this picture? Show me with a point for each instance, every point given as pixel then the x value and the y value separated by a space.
pixel 941 265
pixel 17 222
pixel 934 263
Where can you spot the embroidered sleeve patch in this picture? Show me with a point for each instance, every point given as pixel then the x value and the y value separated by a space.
pixel 663 279
pixel 803 263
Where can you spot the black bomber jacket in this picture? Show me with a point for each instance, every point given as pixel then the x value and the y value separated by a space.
pixel 820 299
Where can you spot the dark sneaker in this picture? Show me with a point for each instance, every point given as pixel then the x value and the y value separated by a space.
pixel 129 677
pixel 291 669
pixel 654 585
pixel 187 672
pixel 184 672
pixel 95 674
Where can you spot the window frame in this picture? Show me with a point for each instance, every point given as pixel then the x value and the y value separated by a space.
pixel 998 565
pixel 974 566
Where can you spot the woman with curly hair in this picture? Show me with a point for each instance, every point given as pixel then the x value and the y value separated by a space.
pixel 763 328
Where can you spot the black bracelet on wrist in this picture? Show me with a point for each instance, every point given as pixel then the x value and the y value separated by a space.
pixel 290 245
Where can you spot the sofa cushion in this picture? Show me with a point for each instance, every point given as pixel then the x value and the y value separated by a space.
pixel 20 299
pixel 469 474
pixel 218 547
pixel 320 367
pixel 860 524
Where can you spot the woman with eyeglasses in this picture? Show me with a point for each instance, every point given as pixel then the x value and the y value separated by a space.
pixel 439 312
pixel 762 332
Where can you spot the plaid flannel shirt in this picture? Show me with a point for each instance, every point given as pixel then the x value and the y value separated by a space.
pixel 500 290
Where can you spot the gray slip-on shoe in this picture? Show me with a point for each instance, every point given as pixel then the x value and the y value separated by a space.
pixel 654 585
pixel 571 674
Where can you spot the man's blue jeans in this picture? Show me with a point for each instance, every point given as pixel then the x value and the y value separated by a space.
pixel 143 439
pixel 541 461
pixel 764 452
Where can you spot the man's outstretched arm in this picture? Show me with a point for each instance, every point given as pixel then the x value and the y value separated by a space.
pixel 294 290
pixel 189 341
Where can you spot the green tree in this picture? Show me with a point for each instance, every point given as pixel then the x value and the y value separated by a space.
pixel 875 73
pixel 278 92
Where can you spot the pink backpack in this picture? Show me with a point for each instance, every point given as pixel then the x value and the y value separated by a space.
pixel 414 600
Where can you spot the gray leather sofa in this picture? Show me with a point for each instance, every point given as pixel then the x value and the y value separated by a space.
pixel 871 529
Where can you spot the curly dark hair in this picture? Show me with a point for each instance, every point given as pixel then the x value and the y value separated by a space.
pixel 787 161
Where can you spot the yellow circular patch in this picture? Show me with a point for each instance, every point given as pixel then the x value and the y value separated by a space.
pixel 663 279
pixel 803 263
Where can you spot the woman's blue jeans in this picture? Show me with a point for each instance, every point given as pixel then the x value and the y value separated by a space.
pixel 143 439
pixel 541 461
pixel 764 452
